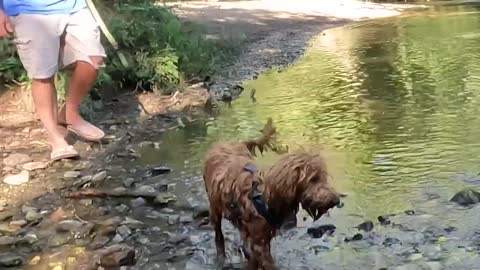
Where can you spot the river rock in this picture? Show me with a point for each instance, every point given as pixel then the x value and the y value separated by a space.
pixel 124 231
pixel 33 216
pixel 165 198
pixel 17 179
pixel 159 170
pixel 128 182
pixel 71 174
pixel 320 230
pixel 122 208
pixel 69 226
pixel 466 197
pixel 99 176
pixel 132 223
pixel 59 240
pixel 18 223
pixel 10 260
pixel 33 166
pixel 201 211
pixel 384 220
pixel 434 265
pixel 137 202
pixel 6 215
pixel 145 190
pixel 116 256
pixel 16 159
pixel 7 241
pixel 365 226
pixel 356 237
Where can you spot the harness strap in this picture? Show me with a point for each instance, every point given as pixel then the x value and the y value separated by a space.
pixel 259 202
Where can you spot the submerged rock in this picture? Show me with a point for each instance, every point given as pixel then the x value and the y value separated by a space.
pixel 466 197
pixel 384 220
pixel 165 198
pixel 156 171
pixel 365 226
pixel 319 231
pixel 356 237
pixel 99 176
pixel 116 256
pixel 10 260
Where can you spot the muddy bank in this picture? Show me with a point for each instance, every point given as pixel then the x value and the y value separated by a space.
pixel 42 228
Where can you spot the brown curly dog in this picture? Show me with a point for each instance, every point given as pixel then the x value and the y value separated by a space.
pixel 258 203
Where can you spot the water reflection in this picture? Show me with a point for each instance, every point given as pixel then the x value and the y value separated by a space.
pixel 393 105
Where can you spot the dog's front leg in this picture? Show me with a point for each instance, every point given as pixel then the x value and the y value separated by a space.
pixel 261 251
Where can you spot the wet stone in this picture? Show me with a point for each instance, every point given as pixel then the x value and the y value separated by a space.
pixel 16 159
pixel 32 166
pixel 128 182
pixel 466 197
pixel 389 241
pixel 415 257
pixel 434 265
pixel 30 238
pixel 33 215
pixel 124 231
pixel 7 241
pixel 99 176
pixel 137 202
pixel 186 219
pixel 156 171
pixel 319 231
pixel 122 208
pixel 356 237
pixel 410 212
pixel 59 240
pixel 18 223
pixel 201 211
pixel 117 255
pixel 10 260
pixel 71 174
pixel 384 220
pixel 365 226
pixel 5 215
pixel 165 198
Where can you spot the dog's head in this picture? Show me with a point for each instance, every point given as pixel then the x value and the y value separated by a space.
pixel 314 191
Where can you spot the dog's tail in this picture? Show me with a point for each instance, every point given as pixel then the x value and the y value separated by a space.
pixel 266 141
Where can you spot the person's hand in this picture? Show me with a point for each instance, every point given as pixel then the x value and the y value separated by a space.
pixel 5 25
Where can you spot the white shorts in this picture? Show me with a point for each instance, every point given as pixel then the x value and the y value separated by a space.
pixel 47 43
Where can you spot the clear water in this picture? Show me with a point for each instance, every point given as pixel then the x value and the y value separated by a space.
pixel 393 106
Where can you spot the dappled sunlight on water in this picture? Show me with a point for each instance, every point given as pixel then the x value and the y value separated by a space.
pixel 392 105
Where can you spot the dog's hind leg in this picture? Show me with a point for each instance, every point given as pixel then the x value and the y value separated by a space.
pixel 216 219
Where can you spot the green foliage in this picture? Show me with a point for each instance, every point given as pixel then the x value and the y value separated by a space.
pixel 161 49
pixel 11 69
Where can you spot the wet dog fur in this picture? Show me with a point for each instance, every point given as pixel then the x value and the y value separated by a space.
pixel 233 186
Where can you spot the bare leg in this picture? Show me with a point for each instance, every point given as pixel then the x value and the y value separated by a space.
pixel 45 98
pixel 83 78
